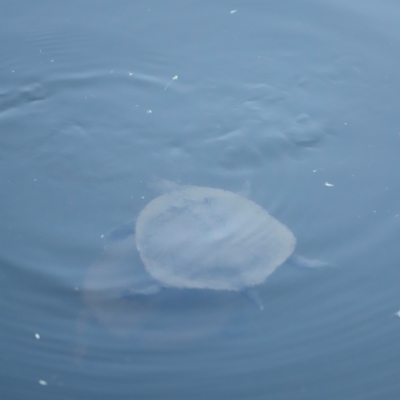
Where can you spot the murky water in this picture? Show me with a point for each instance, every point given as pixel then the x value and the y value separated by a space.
pixel 294 104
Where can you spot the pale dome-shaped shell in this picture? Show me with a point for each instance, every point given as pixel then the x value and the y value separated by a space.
pixel 205 238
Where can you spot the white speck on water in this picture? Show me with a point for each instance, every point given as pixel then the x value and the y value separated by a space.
pixel 42 382
pixel 102 236
pixel 37 336
pixel 397 313
pixel 142 197
pixel 329 184
pixel 149 112
pixel 174 78
pixel 233 11
pixel 130 73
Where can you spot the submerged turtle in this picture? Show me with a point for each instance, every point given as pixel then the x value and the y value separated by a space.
pixel 191 237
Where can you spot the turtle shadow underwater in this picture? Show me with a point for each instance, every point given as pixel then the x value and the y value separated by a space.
pixel 178 273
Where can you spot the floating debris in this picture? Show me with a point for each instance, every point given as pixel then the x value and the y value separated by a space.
pixel 174 78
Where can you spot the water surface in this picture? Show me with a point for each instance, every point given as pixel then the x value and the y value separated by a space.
pixel 298 102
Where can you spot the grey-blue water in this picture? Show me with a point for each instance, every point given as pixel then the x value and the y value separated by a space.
pixel 296 102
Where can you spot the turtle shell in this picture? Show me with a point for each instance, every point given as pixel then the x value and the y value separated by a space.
pixel 206 238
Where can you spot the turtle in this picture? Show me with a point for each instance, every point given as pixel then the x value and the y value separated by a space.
pixel 195 237
pixel 173 273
